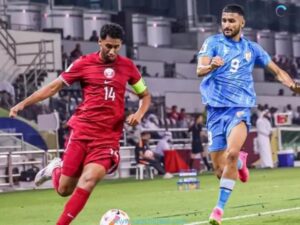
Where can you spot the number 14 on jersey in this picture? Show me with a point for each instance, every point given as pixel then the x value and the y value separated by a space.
pixel 109 93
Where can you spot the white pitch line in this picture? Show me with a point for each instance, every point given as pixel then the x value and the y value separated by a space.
pixel 249 215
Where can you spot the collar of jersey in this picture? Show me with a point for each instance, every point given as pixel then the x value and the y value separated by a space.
pixel 229 40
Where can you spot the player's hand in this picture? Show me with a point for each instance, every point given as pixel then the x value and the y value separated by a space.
pixel 134 119
pixel 295 88
pixel 14 110
pixel 216 62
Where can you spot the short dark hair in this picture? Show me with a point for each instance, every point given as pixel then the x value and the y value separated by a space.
pixel 113 30
pixel 234 8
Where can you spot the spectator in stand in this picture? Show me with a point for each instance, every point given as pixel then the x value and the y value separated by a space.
pixel 272 110
pixel 266 107
pixel 152 123
pixel 254 117
pixel 197 142
pixel 94 37
pixel 69 37
pixel 264 134
pixel 145 72
pixel 174 114
pixel 163 145
pixel 260 109
pixel 6 100
pixel 9 88
pixel 143 155
pixel 139 67
pixel 182 119
pixel 288 109
pixel 65 59
pixel 76 53
pixel 280 92
pixel 297 116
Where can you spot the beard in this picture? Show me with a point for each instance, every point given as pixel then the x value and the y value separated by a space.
pixel 107 59
pixel 232 34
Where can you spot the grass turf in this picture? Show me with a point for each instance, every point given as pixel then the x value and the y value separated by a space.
pixel 159 202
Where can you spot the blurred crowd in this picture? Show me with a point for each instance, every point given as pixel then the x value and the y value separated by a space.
pixel 289 64
pixel 67 100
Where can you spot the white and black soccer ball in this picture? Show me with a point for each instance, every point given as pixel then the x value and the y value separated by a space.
pixel 115 217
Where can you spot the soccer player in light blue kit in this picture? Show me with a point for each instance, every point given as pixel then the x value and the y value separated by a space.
pixel 227 60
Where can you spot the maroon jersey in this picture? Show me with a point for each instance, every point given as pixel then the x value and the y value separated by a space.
pixel 101 114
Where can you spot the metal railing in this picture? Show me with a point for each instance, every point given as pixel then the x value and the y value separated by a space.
pixel 9 165
pixel 16 138
pixel 39 64
pixel 7 41
pixel 40 157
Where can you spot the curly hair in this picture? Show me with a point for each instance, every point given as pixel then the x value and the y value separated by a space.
pixel 113 30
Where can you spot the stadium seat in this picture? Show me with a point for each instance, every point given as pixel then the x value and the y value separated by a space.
pixel 139 171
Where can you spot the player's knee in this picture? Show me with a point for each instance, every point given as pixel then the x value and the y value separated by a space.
pixel 89 181
pixel 65 190
pixel 232 156
pixel 218 171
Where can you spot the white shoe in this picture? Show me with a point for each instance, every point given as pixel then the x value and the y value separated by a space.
pixel 46 173
pixel 168 176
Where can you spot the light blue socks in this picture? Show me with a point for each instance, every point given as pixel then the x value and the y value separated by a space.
pixel 226 187
pixel 239 164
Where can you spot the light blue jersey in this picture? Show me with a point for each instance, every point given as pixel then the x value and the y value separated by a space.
pixel 231 85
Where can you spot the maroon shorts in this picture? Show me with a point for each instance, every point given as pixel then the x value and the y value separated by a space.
pixel 79 153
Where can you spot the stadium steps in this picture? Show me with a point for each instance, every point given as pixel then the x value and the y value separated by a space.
pixel 8 68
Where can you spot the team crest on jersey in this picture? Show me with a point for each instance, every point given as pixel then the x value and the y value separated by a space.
pixel 248 56
pixel 109 73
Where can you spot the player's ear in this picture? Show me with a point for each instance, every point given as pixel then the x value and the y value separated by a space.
pixel 243 22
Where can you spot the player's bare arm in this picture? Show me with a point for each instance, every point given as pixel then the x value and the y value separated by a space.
pixel 145 101
pixel 283 77
pixel 207 64
pixel 41 94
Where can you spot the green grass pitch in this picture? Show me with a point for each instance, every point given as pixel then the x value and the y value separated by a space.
pixel 159 202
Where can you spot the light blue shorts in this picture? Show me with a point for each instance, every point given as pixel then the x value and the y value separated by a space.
pixel 220 121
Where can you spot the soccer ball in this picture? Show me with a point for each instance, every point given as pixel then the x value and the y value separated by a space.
pixel 115 217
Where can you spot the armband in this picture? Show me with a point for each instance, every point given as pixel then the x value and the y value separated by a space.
pixel 139 87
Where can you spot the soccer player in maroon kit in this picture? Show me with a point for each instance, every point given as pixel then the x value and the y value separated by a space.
pixel 96 126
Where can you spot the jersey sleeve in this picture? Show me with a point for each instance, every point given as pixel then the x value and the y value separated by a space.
pixel 208 48
pixel 72 73
pixel 136 81
pixel 262 58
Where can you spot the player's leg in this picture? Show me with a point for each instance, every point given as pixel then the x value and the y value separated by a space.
pixel 65 179
pixel 64 174
pixel 45 174
pixel 96 164
pixel 235 142
pixel 64 185
pixel 218 159
pixel 92 173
